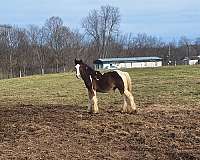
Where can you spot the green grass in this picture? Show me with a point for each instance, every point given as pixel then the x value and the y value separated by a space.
pixel 166 86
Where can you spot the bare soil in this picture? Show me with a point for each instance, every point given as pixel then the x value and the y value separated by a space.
pixel 69 132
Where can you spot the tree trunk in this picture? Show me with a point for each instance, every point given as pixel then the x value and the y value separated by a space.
pixel 20 73
pixel 11 70
pixel 57 70
pixel 24 71
pixel 42 71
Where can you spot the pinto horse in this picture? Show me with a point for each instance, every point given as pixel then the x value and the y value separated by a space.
pixel 97 82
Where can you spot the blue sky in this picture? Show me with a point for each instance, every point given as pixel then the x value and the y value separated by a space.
pixel 168 19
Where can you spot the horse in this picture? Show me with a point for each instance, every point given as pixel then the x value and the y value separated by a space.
pixel 95 81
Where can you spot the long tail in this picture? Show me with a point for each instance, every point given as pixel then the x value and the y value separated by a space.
pixel 129 83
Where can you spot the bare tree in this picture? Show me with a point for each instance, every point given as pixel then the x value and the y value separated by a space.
pixel 4 51
pixel 52 47
pixel 12 41
pixel 197 46
pixel 38 42
pixel 101 26
pixel 57 36
pixel 74 48
pixel 185 46
pixel 22 51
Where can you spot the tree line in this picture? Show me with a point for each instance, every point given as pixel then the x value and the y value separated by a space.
pixel 52 47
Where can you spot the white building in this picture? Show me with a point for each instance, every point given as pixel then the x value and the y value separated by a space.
pixel 131 62
pixel 191 61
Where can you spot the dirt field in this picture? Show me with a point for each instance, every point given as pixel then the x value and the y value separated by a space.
pixel 68 132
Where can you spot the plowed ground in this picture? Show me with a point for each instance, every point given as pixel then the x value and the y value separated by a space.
pixel 69 132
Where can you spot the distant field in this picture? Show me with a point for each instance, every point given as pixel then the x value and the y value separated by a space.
pixel 167 85
pixel 44 117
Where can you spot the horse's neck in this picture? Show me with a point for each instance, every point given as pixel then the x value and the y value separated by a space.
pixel 91 70
pixel 87 78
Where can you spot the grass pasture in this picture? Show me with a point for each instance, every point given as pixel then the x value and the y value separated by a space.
pixel 44 117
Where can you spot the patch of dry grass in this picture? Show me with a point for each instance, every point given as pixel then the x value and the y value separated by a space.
pixel 166 85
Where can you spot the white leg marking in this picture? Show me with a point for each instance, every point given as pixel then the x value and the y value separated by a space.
pixel 92 107
pixel 124 107
pixel 94 101
pixel 131 99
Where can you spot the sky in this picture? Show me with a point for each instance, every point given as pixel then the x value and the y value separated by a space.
pixel 168 19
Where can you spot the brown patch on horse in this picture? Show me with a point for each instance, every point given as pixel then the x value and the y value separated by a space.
pixel 109 81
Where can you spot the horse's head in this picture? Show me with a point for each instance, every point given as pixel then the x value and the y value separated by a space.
pixel 84 71
pixel 78 64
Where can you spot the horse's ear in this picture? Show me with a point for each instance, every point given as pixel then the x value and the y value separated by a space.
pixel 77 61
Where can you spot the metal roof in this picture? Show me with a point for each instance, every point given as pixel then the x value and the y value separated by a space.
pixel 128 59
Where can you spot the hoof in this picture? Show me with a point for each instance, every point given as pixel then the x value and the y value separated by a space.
pixel 124 111
pixel 129 111
pixel 89 111
pixel 92 112
pixel 133 111
pixel 95 112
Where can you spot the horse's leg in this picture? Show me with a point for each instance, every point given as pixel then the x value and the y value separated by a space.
pixel 124 107
pixel 89 103
pixel 131 99
pixel 93 107
pixel 94 101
